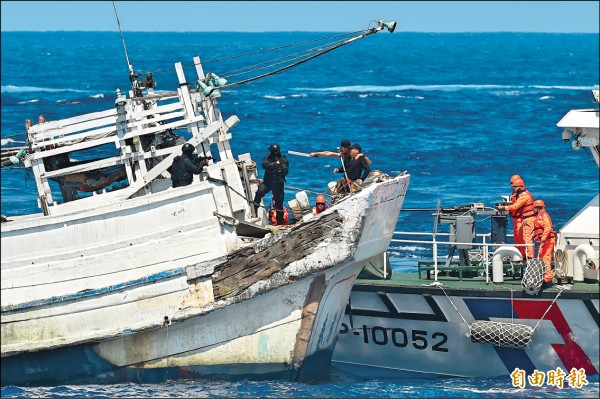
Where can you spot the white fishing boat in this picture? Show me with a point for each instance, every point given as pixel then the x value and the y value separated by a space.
pixel 126 278
pixel 478 312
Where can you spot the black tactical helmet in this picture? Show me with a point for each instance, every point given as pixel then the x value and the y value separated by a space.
pixel 275 148
pixel 187 149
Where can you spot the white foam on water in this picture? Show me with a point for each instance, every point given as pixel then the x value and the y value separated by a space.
pixel 28 89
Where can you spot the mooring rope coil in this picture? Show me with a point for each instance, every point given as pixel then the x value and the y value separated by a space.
pixel 560 263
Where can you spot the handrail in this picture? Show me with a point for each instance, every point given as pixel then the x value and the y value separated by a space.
pixel 484 244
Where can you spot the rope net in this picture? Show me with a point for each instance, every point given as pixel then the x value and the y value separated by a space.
pixel 534 276
pixel 501 334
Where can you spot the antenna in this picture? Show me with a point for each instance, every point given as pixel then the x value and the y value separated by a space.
pixel 129 67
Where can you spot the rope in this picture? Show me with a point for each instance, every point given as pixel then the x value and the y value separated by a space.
pixel 308 191
pixel 560 290
pixel 439 285
pixel 295 64
pixel 215 180
pixel 288 57
pixel 249 166
pixel 246 69
pixel 260 51
pixel 560 264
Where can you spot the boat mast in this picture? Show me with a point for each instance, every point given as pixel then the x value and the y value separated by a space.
pixel 132 76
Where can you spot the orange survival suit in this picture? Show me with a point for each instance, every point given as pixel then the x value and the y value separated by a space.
pixel 544 234
pixel 521 210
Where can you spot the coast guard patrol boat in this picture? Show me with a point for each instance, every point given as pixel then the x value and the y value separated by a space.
pixel 478 312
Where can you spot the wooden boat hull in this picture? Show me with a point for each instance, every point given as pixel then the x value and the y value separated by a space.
pixel 270 308
pixel 233 341
pixel 398 329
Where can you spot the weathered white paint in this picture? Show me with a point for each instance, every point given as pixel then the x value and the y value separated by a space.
pixel 130 271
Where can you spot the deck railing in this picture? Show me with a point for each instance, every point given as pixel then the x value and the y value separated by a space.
pixel 484 244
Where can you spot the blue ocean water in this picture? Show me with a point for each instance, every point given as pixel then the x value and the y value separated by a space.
pixel 460 112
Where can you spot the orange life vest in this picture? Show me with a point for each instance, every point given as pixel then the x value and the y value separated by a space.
pixel 538 227
pixel 525 211
pixel 273 216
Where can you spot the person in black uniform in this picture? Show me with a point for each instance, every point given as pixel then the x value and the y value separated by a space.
pixel 276 169
pixel 186 165
pixel 357 169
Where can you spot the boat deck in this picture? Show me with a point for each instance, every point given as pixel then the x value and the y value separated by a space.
pixel 475 285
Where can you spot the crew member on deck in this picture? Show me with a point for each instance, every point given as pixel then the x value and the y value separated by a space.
pixel 342 152
pixel 148 81
pixel 320 206
pixel 276 168
pixel 523 217
pixel 357 167
pixel 185 166
pixel 513 199
pixel 545 236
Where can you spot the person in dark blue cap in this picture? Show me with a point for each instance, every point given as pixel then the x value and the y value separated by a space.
pixel 343 150
pixel 357 167
pixel 343 153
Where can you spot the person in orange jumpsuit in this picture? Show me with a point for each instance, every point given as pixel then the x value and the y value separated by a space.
pixel 321 205
pixel 513 199
pixel 544 234
pixel 522 213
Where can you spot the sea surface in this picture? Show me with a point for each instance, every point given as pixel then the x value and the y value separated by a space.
pixel 461 113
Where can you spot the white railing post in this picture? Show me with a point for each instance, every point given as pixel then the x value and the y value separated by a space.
pixel 435 265
pixel 485 260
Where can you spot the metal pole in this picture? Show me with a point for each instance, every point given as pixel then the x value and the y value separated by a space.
pixel 122 38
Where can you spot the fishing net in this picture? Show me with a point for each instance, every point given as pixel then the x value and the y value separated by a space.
pixel 534 276
pixel 500 333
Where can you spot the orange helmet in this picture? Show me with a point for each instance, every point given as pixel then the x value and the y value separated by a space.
pixel 514 177
pixel 539 204
pixel 518 183
pixel 321 199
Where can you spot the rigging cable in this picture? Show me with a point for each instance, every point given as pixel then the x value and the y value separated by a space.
pixel 121 32
pixel 295 64
pixel 330 47
pixel 334 46
pixel 204 62
pixel 291 56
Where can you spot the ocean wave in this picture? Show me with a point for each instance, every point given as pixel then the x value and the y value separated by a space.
pixel 455 87
pixel 34 100
pixel 8 141
pixel 100 95
pixel 275 97
pixel 27 89
pixel 583 88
